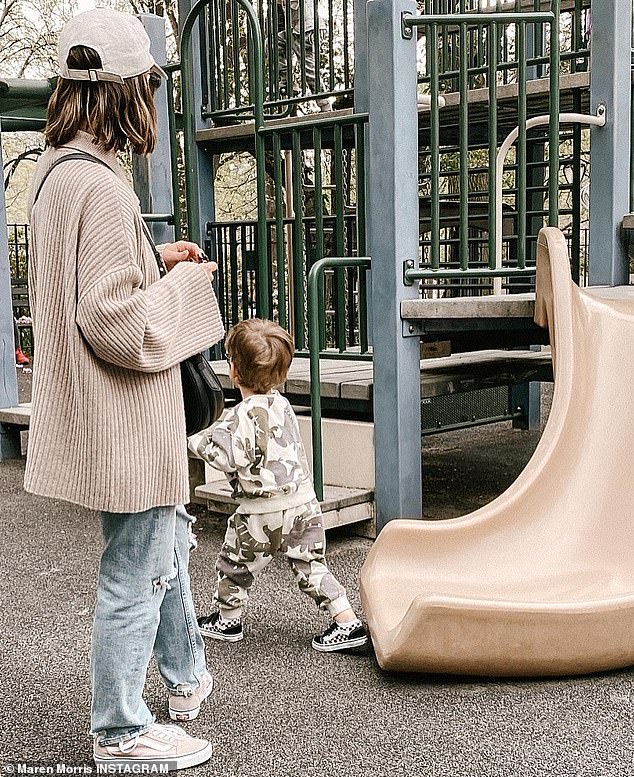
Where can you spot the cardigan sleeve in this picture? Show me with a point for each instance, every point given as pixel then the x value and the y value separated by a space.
pixel 128 316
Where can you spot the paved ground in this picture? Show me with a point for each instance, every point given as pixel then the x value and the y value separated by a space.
pixel 279 707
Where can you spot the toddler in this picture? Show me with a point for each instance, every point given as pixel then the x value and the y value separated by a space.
pixel 259 448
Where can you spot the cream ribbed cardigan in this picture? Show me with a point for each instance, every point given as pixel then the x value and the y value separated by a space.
pixel 107 425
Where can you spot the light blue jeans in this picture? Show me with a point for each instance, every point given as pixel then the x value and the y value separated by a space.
pixel 144 605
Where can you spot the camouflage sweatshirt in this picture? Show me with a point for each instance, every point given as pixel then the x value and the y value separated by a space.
pixel 259 448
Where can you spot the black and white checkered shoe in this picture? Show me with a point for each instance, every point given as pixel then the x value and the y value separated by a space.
pixel 341 636
pixel 217 628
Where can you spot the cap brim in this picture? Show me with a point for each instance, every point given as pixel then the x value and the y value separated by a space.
pixel 155 70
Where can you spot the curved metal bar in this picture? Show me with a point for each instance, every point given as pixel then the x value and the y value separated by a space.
pixel 189 127
pixel 536 121
pixel 315 276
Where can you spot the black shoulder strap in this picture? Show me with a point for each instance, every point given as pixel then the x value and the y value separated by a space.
pixel 65 158
pixel 90 158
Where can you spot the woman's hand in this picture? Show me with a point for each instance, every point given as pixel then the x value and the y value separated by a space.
pixel 181 251
pixel 186 251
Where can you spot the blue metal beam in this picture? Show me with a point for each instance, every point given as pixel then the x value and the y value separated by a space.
pixel 9 445
pixel 153 175
pixel 393 238
pixel 610 84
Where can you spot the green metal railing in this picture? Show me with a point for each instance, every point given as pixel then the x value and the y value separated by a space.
pixel 318 217
pixel 472 49
pixel 256 71
pixel 298 64
pixel 315 291
pixel 344 321
pixel 475 142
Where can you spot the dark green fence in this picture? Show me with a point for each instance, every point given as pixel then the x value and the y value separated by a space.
pixel 307 50
pixel 315 208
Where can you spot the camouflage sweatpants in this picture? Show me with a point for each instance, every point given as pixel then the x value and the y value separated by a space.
pixel 252 539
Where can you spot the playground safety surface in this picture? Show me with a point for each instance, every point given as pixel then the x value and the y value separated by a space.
pixel 279 707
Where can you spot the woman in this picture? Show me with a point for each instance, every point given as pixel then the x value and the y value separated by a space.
pixel 108 427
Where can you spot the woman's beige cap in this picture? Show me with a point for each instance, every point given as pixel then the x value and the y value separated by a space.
pixel 120 40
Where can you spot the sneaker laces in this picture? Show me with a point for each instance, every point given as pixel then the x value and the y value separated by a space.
pixel 335 626
pixel 165 733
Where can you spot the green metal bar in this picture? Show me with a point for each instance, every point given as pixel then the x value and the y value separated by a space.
pixel 434 148
pixel 340 280
pixel 223 36
pixel 279 233
pixel 329 121
pixel 410 275
pixel 235 50
pixel 174 147
pixel 21 124
pixel 334 355
pixel 464 150
pixel 553 127
pixel 520 173
pixel 360 167
pixel 27 88
pixel 319 222
pixel 492 57
pixel 361 236
pixel 298 242
pixel 409 22
pixel 315 281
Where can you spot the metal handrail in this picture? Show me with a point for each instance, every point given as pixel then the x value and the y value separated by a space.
pixel 536 121
pixel 316 275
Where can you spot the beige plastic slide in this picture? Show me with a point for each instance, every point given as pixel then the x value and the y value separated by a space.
pixel 541 581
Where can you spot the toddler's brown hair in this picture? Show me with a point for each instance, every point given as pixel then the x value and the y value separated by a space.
pixel 261 353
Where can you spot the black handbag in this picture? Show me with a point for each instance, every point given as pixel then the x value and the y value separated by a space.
pixel 202 392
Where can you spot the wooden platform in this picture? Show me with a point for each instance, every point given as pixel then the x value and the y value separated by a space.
pixel 352 381
pixel 474 323
pixel 20 415
pixel 340 506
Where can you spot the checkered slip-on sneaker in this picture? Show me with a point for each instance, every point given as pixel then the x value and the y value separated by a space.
pixel 341 636
pixel 225 630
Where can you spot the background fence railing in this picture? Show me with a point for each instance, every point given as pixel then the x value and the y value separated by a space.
pixel 308 49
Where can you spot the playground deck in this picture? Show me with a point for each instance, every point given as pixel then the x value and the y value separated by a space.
pixel 351 380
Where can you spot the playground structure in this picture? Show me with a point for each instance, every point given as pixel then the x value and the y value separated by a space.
pixel 402 182
pixel 534 583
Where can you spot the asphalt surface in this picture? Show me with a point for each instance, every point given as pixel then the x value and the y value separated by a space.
pixel 280 708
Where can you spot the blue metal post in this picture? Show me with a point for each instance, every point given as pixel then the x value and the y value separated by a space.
pixel 610 84
pixel 393 239
pixel 153 175
pixel 9 441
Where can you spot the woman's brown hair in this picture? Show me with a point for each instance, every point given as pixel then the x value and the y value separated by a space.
pixel 114 113
pixel 261 353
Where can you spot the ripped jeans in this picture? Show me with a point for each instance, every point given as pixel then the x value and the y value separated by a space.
pixel 144 606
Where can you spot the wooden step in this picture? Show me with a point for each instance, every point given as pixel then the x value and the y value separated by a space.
pixel 20 415
pixel 340 506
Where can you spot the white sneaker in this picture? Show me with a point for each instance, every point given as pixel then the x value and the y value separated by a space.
pixel 187 706
pixel 165 747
